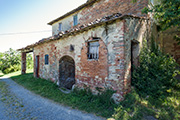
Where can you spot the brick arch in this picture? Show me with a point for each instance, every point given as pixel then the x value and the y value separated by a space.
pixel 66 72
pixel 93 73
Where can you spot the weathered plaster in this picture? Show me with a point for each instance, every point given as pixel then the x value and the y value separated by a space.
pixel 106 72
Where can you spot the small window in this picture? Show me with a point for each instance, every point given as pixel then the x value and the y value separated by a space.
pixel 60 26
pixel 75 20
pixel 46 59
pixel 93 49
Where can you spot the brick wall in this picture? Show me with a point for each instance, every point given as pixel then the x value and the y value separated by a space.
pixel 23 63
pixel 168 44
pixel 111 70
pixel 108 7
pixel 93 73
pixel 136 30
pixel 100 9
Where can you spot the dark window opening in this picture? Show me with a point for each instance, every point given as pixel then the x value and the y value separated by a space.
pixel 93 49
pixel 71 48
pixel 46 59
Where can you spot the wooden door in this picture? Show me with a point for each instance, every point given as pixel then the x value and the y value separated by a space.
pixel 66 72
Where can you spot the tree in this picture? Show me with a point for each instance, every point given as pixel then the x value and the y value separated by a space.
pixel 10 61
pixel 166 14
pixel 29 61
pixel 1 56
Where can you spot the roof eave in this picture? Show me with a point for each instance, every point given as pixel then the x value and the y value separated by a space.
pixel 80 30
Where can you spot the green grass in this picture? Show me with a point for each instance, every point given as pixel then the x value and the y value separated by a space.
pixel 101 105
pixel 1 74
pixel 134 106
pixel 18 73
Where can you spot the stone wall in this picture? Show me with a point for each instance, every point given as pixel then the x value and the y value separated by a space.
pixel 136 30
pixel 111 70
pixel 93 73
pixel 100 9
pixel 168 44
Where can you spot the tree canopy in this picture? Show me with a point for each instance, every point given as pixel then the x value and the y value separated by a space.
pixel 10 61
pixel 166 14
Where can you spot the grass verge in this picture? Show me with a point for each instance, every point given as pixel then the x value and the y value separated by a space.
pixel 1 74
pixel 134 106
pixel 84 100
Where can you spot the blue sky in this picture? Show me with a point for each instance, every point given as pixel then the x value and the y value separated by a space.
pixel 17 16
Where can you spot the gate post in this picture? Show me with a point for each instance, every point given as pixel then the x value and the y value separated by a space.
pixel 23 63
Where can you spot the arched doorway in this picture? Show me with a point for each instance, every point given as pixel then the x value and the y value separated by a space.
pixel 66 72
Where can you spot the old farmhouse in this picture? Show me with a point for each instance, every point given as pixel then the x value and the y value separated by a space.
pixel 92 46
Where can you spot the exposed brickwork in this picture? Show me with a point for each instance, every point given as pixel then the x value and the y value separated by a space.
pixel 135 31
pixel 120 45
pixel 93 73
pixel 116 59
pixel 99 9
pixel 168 44
pixel 23 63
pixel 113 67
pixel 108 7
pixel 34 59
pixel 177 52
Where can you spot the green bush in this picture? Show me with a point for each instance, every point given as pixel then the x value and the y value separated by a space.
pixel 155 91
pixel 29 61
pixel 155 75
pixel 13 68
pixel 10 61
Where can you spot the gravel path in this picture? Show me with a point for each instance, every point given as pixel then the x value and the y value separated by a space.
pixel 17 103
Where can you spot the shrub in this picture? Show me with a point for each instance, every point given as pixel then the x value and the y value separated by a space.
pixel 10 61
pixel 13 68
pixel 155 75
pixel 155 91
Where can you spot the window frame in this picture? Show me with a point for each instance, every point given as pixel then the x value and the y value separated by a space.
pixel 46 59
pixel 60 27
pixel 95 55
pixel 75 20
